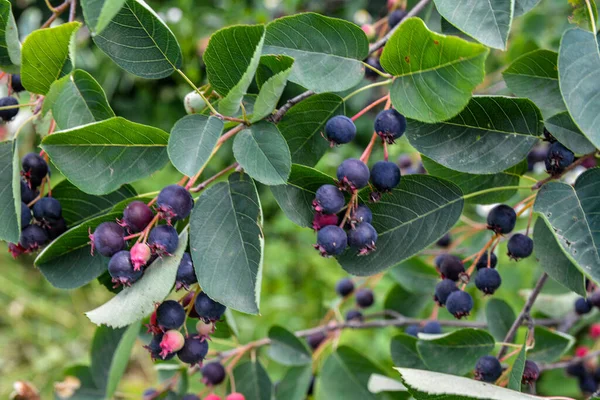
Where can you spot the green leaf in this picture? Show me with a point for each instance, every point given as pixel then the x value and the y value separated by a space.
pixel 563 128
pixel 77 99
pixel 581 13
pixel 231 59
pixel 578 66
pixel 414 215
pixel 471 183
pixel 78 206
pixel 303 124
pixel 67 262
pixel 437 73
pixel 99 13
pixel 456 352
pixel 500 317
pixel 138 301
pixel 100 157
pixel 382 384
pixel 535 76
pixel 552 305
pixel 138 41
pixel 192 141
pixel 48 55
pixel 404 352
pixel 524 6
pixel 327 52
pixel 554 262
pixel 294 384
pixel 10 47
pixel 263 153
pixel 489 136
pixel 271 65
pixel 252 381
pixel 416 275
pixel 287 349
pixel 10 192
pixel 549 345
pixel 517 368
pixel 88 389
pixel 487 21
pixel 226 243
pixel 406 303
pixel 345 375
pixel 272 89
pixel 573 214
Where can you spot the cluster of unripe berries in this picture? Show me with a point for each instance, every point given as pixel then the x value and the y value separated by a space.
pixel 9 101
pixel 41 217
pixel 488 369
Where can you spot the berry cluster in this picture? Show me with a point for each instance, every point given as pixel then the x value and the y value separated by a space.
pixel 587 371
pixel 488 369
pixel 9 101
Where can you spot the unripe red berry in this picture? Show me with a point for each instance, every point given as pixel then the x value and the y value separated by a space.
pixel 581 351
pixel 204 329
pixel 235 396
pixel 172 341
pixel 140 254
pixel 595 331
pixel 212 396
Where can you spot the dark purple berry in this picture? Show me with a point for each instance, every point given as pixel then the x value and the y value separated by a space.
pixel 354 315
pixel 344 287
pixel 186 275
pixel 395 17
pixel 404 161
pixel 582 306
pixel 190 396
pixel 362 213
pixel 8 114
pixel 27 194
pixel 213 373
pixel 444 241
pixel 194 350
pixel 452 268
pixel 439 260
pixel 443 289
pixel 353 174
pixel 390 125
pixel 432 328
pixel 136 216
pixel 331 241
pixel 502 219
pixel 488 280
pixel 174 202
pixel 329 200
pixel 459 304
pixel 55 228
pixel 47 209
pixel 519 246
pixel 35 169
pixel 373 62
pixel 315 340
pixel 595 298
pixel 108 239
pixel 25 215
pixel 576 370
pixel 155 350
pixel 483 261
pixel 587 383
pixel 121 270
pixel 15 83
pixel 321 220
pixel 385 176
pixel 340 130
pixel 488 369
pixel 531 373
pixel 363 238
pixel 208 309
pixel 558 158
pixel 163 240
pixel 413 330
pixel 170 315
pixel 364 298
pixel 33 237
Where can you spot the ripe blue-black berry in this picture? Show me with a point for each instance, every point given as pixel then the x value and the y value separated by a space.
pixel 395 17
pixel 154 348
pixel 27 194
pixel 483 261
pixel 558 158
pixel 459 304
pixel 193 351
pixel 520 246
pixel 329 199
pixel 108 239
pixel 331 241
pixel 174 202
pixel 488 280
pixel 439 260
pixel 163 240
pixel 373 62
pixel 595 298
pixel 502 219
pixel 55 228
pixel 576 370
pixel 34 168
pixel 365 298
pixel 321 220
pixel 136 216
pixel 362 213
pixel 582 306
pixel 452 267
pixel 488 369
pixel 444 241
pixel 531 373
pixel 121 270
pixel 7 115
pixel 587 383
pixel 15 83
pixel 354 315
pixel 405 161
pixel 385 176
pixel 315 340
pixel 390 125
pixel 443 289
pixel 344 287
pixel 170 315
pixel 47 209
pixel 363 238
pixel 413 330
pixel 213 373
pixel 33 237
pixel 190 396
pixel 25 215
pixel 340 130
pixel 432 327
pixel 353 174
pixel 186 275
pixel 208 309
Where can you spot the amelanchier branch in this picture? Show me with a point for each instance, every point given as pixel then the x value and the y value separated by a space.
pixel 567 363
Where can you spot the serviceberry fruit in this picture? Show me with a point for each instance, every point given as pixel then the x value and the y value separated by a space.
pixel 174 202
pixel 413 330
pixel 531 373
pixel 204 329
pixel 595 298
pixel 364 298
pixel 390 125
pixel 582 306
pixel 315 340
pixel 595 331
pixel 439 260
pixel 362 213
pixel 235 396
pixel 213 373
pixel 33 237
pixel 47 209
pixel 432 327
pixel 35 169
pixel 363 238
pixel 170 315
pixel 483 261
pixel 395 17
pixel 55 228
pixel 25 215
pixel 375 63
pixel 186 275
pixel 445 241
pixel 344 287
pixel 16 250
pixel 193 351
pixel 354 315
pixel 443 289
pixel 353 174
pixel 172 341
pixel 329 200
pixel 558 158
pixel 190 396
pixel 121 270
pixel 212 396
pixel 331 241
pixel 488 369
pixel 108 239
pixel 163 240
pixel 27 194
pixel 154 348
pixel 140 255
pixel 404 161
pixel 488 280
pixel 587 383
pixel 502 219
pixel 459 304
pixel 576 370
pixel 452 268
pixel 136 216
pixel 208 309
pixel 9 114
pixel 519 246
pixel 15 83
pixel 340 130
pixel 385 176
pixel 322 220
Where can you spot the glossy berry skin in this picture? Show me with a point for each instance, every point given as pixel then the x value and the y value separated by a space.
pixel 27 195
pixel 108 239
pixel 483 261
pixel 47 209
pixel 587 383
pixel 186 275
pixel 331 241
pixel 340 130
pixel 170 315
pixel 235 396
pixel 445 241
pixel 363 238
pixel 208 309
pixel 321 220
pixel 395 17
pixel 213 373
pixel 459 304
pixel 315 340
pixel 55 228
pixel 33 237
pixel 34 168
pixel 163 240
pixel 488 369
pixel 193 351
pixel 443 289
pixel 385 176
pixel 344 287
pixel 412 330
pixel 502 219
pixel 136 216
pixel 432 328
pixel 15 83
pixel 329 200
pixel 362 213
pixel 25 215
pixel 154 348
pixel 7 115
pixel 582 306
pixel 390 125
pixel 531 373
pixel 353 174
pixel 354 315
pixel 174 202
pixel 452 267
pixel 121 270
pixel 488 280
pixel 519 246
pixel 364 298
pixel 558 158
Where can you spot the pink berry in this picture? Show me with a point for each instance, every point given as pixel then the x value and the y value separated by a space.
pixel 140 254
pixel 235 396
pixel 171 342
pixel 595 331
pixel 212 397
pixel 581 351
pixel 369 30
pixel 204 329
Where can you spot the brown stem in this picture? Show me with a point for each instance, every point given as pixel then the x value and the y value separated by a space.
pixel 572 361
pixel 369 107
pixel 569 168
pixel 230 133
pixel 213 178
pixel 72 10
pixel 57 12
pixel 290 103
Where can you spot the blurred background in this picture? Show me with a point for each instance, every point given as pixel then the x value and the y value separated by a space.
pixel 43 330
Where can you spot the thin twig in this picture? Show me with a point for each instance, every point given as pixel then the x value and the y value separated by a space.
pixel 572 361
pixel 57 12
pixel 213 178
pixel 72 10
pixel 290 103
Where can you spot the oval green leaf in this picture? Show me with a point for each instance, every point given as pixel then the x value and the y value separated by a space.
pixel 294 384
pixel 10 192
pixel 500 317
pixel 10 47
pixel 272 88
pixel 416 275
pixel 287 349
pixel 564 129
pixel 99 13
pixel 252 381
pixel 550 345
pixel 404 352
